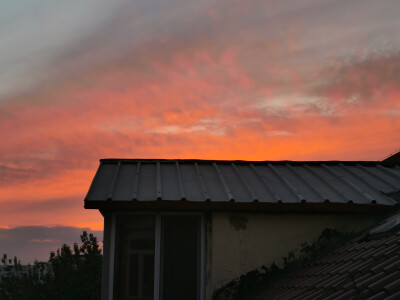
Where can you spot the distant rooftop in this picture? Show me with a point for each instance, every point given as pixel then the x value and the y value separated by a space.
pixel 366 268
pixel 219 184
pixel 393 158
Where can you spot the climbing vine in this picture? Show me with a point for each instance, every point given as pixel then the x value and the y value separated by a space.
pixel 254 281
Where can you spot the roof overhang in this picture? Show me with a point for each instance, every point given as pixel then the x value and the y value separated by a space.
pixel 254 207
pixel 264 186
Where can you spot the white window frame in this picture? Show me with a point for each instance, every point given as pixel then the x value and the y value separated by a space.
pixel 157 249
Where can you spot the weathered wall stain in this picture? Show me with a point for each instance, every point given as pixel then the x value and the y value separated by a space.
pixel 238 222
pixel 267 238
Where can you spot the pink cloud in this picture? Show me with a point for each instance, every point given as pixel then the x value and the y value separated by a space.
pixel 257 82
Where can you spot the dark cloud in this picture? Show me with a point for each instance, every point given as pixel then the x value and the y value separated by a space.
pixel 368 82
pixel 25 207
pixel 9 173
pixel 35 242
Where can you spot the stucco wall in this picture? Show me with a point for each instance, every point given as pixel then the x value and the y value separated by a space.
pixel 238 243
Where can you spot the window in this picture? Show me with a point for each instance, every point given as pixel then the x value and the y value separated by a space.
pixel 157 257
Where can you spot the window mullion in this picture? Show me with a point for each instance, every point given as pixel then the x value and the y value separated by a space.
pixel 140 273
pixel 157 258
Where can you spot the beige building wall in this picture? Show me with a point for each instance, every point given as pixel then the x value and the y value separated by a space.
pixel 238 243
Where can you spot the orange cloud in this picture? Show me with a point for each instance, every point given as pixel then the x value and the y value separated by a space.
pixel 240 86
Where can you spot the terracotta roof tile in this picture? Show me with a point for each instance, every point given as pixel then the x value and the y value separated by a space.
pixel 327 281
pixel 360 269
pixel 362 285
pixel 377 286
pixel 363 267
pixel 375 243
pixel 315 294
pixel 386 251
pixel 310 282
pixel 393 239
pixel 348 294
pixel 380 295
pixel 311 292
pixel 384 263
pixel 394 296
pixel 364 253
pixel 340 268
pixel 349 256
pixel 393 287
pixel 365 294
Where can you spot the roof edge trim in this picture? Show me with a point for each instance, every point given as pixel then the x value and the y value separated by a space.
pixel 234 206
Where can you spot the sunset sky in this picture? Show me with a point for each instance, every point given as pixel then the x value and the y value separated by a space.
pixel 82 80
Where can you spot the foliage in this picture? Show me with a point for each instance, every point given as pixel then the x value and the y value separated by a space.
pixel 255 280
pixel 76 274
pixel 79 268
pixel 20 285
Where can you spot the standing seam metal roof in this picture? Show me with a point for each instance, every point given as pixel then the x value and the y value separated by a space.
pixel 124 180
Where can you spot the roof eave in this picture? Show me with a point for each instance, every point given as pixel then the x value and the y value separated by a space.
pixel 255 207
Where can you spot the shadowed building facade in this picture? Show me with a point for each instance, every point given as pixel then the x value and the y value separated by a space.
pixel 180 229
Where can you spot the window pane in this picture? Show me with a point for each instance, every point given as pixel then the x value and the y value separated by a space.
pixel 133 274
pixel 134 258
pixel 142 243
pixel 180 257
pixel 148 275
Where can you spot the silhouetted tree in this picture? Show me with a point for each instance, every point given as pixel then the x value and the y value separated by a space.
pixel 76 274
pixel 79 268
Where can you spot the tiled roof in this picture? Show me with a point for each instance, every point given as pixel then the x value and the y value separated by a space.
pixel 287 182
pixel 366 268
pixel 394 158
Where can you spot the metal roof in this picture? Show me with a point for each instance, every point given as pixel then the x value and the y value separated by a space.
pixel 212 181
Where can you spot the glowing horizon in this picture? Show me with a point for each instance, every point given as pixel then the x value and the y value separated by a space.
pixel 80 81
